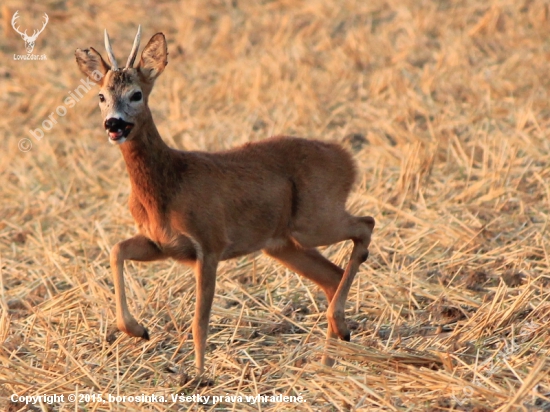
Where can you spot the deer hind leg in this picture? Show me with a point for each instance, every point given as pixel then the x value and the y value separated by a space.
pixel 361 231
pixel 331 228
pixel 314 266
pixel 141 249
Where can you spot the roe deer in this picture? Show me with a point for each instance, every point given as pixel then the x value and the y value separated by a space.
pixel 283 195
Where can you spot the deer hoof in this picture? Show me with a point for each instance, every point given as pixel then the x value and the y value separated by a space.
pixel 338 325
pixel 145 334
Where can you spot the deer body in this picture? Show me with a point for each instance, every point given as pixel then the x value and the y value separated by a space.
pixel 284 196
pixel 250 197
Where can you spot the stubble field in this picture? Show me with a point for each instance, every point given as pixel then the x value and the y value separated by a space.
pixel 444 105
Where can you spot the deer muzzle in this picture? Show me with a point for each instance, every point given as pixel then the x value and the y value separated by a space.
pixel 117 128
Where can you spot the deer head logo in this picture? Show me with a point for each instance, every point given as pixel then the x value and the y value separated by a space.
pixel 29 40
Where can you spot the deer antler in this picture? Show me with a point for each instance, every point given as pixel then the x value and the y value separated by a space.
pixel 114 65
pixel 135 48
pixel 14 22
pixel 37 32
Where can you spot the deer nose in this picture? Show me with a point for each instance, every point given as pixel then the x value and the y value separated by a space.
pixel 114 124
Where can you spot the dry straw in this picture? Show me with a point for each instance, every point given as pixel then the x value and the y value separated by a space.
pixel 445 106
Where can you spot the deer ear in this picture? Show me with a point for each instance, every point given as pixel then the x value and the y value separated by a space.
pixel 154 58
pixel 91 64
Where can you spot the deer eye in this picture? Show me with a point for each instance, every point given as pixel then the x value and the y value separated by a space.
pixel 101 98
pixel 136 97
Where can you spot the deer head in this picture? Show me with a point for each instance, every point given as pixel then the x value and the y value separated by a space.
pixel 29 40
pixel 124 93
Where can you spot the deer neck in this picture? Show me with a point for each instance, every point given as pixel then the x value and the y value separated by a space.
pixel 151 166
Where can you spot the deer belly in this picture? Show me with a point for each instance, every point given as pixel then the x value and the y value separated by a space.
pixel 240 249
pixel 180 248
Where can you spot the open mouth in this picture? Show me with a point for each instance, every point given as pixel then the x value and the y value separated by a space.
pixel 118 129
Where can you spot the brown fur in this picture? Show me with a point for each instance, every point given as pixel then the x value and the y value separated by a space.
pixel 283 195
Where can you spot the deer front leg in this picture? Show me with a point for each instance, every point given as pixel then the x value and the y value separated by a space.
pixel 205 273
pixel 141 249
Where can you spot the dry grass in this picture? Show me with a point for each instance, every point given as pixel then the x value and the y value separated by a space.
pixel 445 105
